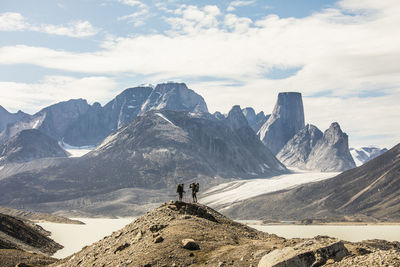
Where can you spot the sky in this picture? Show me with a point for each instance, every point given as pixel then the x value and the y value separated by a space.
pixel 343 56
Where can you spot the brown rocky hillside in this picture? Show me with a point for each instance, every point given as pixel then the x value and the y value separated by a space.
pixel 184 234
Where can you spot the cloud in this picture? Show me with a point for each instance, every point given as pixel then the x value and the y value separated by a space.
pixel 234 4
pixel 349 53
pixel 11 21
pixel 192 19
pixel 137 18
pixel 132 3
pixel 52 89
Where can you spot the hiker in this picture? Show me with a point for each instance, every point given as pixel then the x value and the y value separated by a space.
pixel 195 189
pixel 180 191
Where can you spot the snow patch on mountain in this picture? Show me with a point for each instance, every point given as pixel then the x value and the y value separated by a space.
pixel 165 118
pixel 76 151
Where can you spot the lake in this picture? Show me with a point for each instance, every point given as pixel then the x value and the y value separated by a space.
pixel 74 237
pixel 353 233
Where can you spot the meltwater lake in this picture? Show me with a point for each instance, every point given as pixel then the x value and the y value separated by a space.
pixel 74 237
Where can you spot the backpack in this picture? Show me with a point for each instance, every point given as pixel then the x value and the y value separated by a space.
pixel 179 188
pixel 196 187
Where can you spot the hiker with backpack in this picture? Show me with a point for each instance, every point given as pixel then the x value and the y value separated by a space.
pixel 180 190
pixel 195 189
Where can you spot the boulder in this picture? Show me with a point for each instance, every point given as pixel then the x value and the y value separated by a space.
pixel 314 252
pixel 190 244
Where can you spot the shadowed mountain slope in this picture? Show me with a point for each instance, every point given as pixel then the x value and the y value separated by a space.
pixel 372 190
pixel 28 145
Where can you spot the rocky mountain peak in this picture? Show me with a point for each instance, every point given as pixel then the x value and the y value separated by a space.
pixel 7 118
pixel 334 135
pixel 236 118
pixel 311 149
pixel 250 115
pixel 174 96
pixel 285 121
pixel 29 145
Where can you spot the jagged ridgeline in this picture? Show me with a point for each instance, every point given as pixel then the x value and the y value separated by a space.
pixel 161 136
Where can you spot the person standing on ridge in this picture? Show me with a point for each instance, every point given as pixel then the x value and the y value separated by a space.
pixel 180 191
pixel 195 189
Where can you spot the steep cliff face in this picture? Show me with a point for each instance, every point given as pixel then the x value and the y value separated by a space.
pixel 256 121
pixel 311 150
pixel 297 150
pixel 331 153
pixel 28 145
pixel 285 121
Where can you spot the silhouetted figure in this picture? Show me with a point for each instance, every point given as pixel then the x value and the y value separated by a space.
pixel 180 191
pixel 195 189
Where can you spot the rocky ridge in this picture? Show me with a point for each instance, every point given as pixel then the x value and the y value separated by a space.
pixel 28 145
pixel 7 118
pixel 255 121
pixel 309 149
pixel 286 120
pixel 24 243
pixel 184 234
pixel 77 123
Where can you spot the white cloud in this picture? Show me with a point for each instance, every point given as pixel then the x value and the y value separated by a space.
pixel 194 19
pixel 348 50
pixel 234 4
pixel 52 89
pixel 132 3
pixel 236 23
pixel 11 21
pixel 73 29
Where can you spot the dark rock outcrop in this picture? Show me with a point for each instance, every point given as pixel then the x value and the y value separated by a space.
pixel 371 190
pixel 28 145
pixel 310 149
pixel 365 154
pixel 285 121
pixel 24 237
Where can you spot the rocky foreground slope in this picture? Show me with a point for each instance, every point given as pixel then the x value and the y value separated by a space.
pixel 22 242
pixel 184 234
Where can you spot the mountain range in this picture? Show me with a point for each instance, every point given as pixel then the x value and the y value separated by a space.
pixel 159 149
pixel 77 123
pixel 148 139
